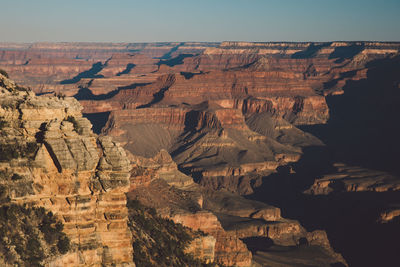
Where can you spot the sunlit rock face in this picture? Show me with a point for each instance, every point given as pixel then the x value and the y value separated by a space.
pixel 236 117
pixel 225 218
pixel 237 103
pixel 67 169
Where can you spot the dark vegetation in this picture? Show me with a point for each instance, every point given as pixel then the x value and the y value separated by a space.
pixel 20 88
pixel 16 88
pixel 159 241
pixel 16 177
pixel 3 72
pixel 30 235
pixel 3 124
pixel 60 95
pixel 11 151
pixel 77 127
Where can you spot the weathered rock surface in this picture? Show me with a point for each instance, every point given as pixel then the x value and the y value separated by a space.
pixel 65 168
pixel 159 88
pixel 231 115
pixel 354 179
pixel 391 214
pixel 63 67
pixel 225 216
pixel 232 111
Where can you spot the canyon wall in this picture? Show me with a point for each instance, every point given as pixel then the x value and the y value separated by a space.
pixel 237 117
pixel 227 109
pixel 227 218
pixel 62 166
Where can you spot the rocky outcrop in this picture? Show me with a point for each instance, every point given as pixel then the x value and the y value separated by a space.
pixel 223 144
pixel 203 248
pixel 226 217
pixel 183 204
pixel 228 250
pixel 229 114
pixel 233 110
pixel 164 89
pixel 391 214
pixel 65 168
pixel 65 67
pixel 354 179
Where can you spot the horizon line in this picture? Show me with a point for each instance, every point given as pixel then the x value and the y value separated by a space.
pixel 226 41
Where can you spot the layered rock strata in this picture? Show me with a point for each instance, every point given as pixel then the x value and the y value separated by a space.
pixel 354 179
pixel 226 217
pixel 229 115
pixel 67 169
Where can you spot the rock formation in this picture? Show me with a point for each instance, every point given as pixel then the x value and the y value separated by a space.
pixel 354 179
pixel 224 216
pixel 62 166
pixel 266 120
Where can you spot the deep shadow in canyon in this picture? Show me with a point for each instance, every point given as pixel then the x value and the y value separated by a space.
pixel 85 93
pixel 91 73
pixel 98 120
pixel 158 96
pixel 363 130
pixel 128 69
pixel 350 219
pixel 174 61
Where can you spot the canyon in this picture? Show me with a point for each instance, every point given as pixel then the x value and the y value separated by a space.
pixel 281 153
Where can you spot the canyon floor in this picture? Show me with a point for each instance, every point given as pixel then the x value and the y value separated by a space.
pixel 282 154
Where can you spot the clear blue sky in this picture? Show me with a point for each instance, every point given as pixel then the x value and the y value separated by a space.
pixel 198 20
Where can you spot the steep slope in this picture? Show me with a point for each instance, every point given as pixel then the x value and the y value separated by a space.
pixel 66 67
pixel 206 141
pixel 233 110
pixel 50 158
pixel 266 120
pixel 233 221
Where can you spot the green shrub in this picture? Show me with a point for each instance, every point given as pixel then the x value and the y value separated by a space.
pixel 16 177
pixel 4 73
pixel 3 124
pixel 15 150
pixel 34 233
pixel 77 127
pixel 3 194
pixel 63 245
pixel 20 88
pixel 60 95
pixel 158 241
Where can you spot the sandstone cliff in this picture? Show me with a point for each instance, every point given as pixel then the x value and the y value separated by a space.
pixel 229 219
pixel 230 110
pixel 62 166
pixel 235 117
